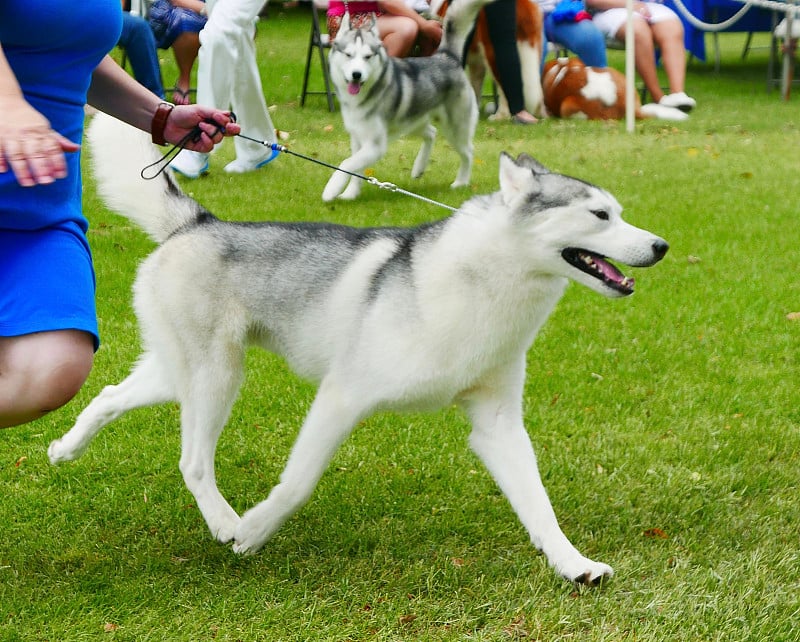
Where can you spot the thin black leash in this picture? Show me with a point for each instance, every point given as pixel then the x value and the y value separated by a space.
pixel 161 164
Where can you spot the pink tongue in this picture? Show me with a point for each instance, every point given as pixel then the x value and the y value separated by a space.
pixel 353 88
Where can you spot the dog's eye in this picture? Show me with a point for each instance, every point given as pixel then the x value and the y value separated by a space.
pixel 601 214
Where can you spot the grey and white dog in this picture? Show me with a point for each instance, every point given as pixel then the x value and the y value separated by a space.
pixel 383 98
pixel 382 318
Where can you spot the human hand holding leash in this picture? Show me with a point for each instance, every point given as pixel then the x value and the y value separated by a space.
pixel 198 128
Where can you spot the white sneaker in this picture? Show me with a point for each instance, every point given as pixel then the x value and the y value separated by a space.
pixel 679 100
pixel 190 164
pixel 238 166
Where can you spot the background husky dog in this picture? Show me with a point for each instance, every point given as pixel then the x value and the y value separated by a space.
pixel 383 98
pixel 382 318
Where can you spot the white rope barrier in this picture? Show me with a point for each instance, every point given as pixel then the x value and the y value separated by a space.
pixel 772 5
pixel 708 26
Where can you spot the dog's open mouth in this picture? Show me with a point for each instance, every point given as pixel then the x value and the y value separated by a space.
pixel 598 267
pixel 353 87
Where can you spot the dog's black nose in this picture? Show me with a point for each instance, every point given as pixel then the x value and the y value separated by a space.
pixel 660 248
pixel 356 76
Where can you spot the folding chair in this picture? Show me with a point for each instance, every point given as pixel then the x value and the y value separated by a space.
pixel 320 42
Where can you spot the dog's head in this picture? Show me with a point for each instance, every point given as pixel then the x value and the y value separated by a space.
pixel 571 228
pixel 356 56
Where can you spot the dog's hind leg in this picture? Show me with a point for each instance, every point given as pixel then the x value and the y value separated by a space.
pixel 500 440
pixel 146 385
pixel 329 422
pixel 206 402
pixel 428 133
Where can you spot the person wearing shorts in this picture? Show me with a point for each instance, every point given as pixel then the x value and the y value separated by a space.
pixel 655 27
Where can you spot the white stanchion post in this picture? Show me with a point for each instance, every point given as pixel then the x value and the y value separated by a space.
pixel 630 71
pixel 789 48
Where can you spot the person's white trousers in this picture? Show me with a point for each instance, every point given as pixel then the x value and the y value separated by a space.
pixel 227 73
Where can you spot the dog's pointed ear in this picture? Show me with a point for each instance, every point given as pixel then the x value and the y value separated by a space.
pixel 345 24
pixel 373 26
pixel 516 179
pixel 532 164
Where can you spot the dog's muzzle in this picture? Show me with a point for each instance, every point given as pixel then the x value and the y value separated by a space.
pixel 354 86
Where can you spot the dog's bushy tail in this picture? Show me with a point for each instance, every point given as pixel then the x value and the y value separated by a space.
pixel 119 152
pixel 458 23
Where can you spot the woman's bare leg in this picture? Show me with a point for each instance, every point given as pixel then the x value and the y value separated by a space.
pixel 41 372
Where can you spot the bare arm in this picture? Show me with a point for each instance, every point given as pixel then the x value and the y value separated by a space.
pixel 399 8
pixel 35 152
pixel 118 94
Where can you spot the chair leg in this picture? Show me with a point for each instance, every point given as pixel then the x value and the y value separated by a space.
pixel 326 76
pixel 316 42
pixel 308 69
pixel 747 43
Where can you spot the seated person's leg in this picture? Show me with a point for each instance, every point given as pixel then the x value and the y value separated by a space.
pixel 398 34
pixel 185 49
pixel 613 24
pixel 583 38
pixel 140 45
pixel 667 31
pixel 501 23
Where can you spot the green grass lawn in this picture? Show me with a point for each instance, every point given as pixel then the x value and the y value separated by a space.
pixel 666 425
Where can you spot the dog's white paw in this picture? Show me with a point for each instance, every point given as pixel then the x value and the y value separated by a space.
pixel 352 192
pixel 224 529
pixel 459 183
pixel 58 452
pixel 221 519
pixel 334 186
pixel 249 537
pixel 585 571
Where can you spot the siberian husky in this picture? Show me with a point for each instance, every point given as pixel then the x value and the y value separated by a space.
pixel 383 98
pixel 382 318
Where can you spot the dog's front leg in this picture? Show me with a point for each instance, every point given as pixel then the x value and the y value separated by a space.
pixel 146 385
pixel 500 440
pixel 329 422
pixel 364 154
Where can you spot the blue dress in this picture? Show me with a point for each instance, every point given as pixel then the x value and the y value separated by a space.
pixel 46 273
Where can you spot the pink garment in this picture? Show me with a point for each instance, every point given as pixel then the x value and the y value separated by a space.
pixel 336 7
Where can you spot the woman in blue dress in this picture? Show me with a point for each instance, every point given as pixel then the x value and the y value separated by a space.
pixel 52 62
